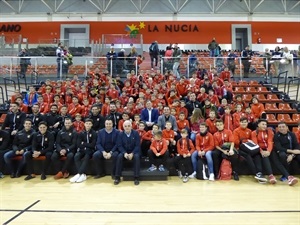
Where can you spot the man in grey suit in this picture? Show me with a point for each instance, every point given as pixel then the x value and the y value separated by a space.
pixel 166 116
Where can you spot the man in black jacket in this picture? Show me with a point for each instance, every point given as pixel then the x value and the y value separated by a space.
pixel 4 143
pixel 14 119
pixel 286 148
pixel 36 117
pixel 65 147
pixel 154 52
pixel 97 118
pixel 86 142
pixel 42 145
pixel 114 115
pixel 53 119
pixel 192 104
pixel 21 144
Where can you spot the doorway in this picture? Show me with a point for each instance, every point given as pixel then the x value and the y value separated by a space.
pixel 241 36
pixel 75 35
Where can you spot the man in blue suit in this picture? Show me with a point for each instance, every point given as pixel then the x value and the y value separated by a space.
pixel 129 149
pixel 149 115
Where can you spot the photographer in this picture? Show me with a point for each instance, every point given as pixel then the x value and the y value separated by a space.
pixel 24 61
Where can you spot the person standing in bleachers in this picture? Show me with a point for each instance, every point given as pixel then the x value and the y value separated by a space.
pixel 246 55
pixel 176 56
pixel 212 46
pixel 24 61
pixel 154 52
pixel 60 56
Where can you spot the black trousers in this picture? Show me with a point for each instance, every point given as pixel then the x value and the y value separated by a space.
pixel 145 145
pixel 246 65
pixel 152 57
pixel 2 162
pixel 98 160
pixel 60 165
pixel 217 157
pixel 29 162
pixel 82 159
pixel 183 164
pixel 283 159
pixel 119 165
pixel 158 160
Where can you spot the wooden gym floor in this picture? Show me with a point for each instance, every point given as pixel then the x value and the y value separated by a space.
pixel 152 202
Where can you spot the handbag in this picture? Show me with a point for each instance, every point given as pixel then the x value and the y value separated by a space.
pixel 250 147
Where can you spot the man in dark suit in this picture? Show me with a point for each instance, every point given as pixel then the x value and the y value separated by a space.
pixel 129 149
pixel 149 115
pixel 106 146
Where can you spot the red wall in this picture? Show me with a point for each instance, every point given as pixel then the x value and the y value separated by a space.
pixel 201 32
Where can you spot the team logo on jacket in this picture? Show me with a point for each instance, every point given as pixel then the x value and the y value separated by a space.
pixel 97 119
pixel 46 139
pixel 90 135
pixel 28 136
pixel 70 134
pixel 18 117
pixel 37 119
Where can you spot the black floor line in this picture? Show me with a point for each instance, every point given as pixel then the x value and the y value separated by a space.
pixel 156 212
pixel 21 212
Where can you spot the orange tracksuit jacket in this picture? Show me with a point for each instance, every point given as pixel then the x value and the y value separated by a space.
pixel 220 137
pixel 182 146
pixel 160 146
pixel 205 143
pixel 264 139
pixel 241 135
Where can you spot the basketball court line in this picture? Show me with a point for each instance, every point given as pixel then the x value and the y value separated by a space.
pixel 20 213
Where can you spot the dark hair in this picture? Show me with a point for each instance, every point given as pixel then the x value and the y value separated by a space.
pixel 88 120
pixel 43 123
pixel 28 120
pixel 243 119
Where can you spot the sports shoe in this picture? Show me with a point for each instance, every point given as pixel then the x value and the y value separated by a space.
pixel 81 178
pixel 161 168
pixel 179 174
pixel 75 178
pixel 43 176
pixel 272 179
pixel 12 175
pixel 211 177
pixel 29 177
pixel 185 178
pixel 58 175
pixel 136 181
pixel 152 168
pixel 260 178
pixel 66 174
pixel 283 178
pixel 1 175
pixel 116 181
pixel 236 176
pixel 193 175
pixel 292 180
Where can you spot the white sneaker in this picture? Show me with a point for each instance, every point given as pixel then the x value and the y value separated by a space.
pixel 211 177
pixel 81 178
pixel 75 178
pixel 193 175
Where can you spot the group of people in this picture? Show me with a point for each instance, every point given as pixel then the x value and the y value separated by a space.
pixel 64 59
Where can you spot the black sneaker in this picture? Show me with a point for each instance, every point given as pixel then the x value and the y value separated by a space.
pixel 136 182
pixel 18 174
pixel 117 181
pixel 43 176
pixel 1 175
pixel 29 177
pixel 12 175
pixel 260 177
pixel 99 176
pixel 236 176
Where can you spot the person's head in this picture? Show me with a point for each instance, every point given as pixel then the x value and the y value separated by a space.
pixel 75 100
pixel 192 97
pixel 53 108
pixel 78 117
pixel 142 126
pixel 220 124
pixel 207 102
pixel 167 111
pixel 64 110
pixel 127 125
pixel 108 124
pixel 182 103
pixel 27 124
pixel 48 88
pixel 158 135
pixel 112 107
pixel 88 124
pixel 68 123
pixel 181 116
pixel 95 110
pixel 212 114
pixel 203 128
pixel 43 127
pixel 35 108
pixel 137 117
pixel 248 109
pixel 173 112
pixel 184 133
pixel 168 125
pixel 238 98
pixel 125 116
pixel 224 101
pixel 31 89
pixel 262 124
pixel 238 107
pixel 19 100
pixel 227 110
pixel 149 104
pixel 254 100
pixel 243 122
pixel 283 128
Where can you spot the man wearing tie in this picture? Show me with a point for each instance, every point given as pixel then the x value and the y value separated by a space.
pixel 149 115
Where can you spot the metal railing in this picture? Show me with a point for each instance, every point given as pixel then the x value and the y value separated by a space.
pixel 295 92
pixel 7 83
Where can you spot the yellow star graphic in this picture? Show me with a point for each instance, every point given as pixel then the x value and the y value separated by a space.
pixel 142 25
pixel 132 27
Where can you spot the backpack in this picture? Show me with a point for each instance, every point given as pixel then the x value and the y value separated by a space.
pixel 202 170
pixel 151 48
pixel 225 170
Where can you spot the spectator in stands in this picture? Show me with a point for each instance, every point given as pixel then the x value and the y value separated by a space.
pixel 128 149
pixel 24 61
pixel 267 60
pixel 131 59
pixel 195 120
pixel 257 109
pixel 158 153
pixel 276 57
pixel 114 115
pixel 67 60
pixel 166 116
pixel 204 147
pixel 154 52
pixel 65 147
pixel 60 56
pixel 208 107
pixel 286 149
pixel 97 118
pixel 86 142
pixel 231 62
pixel 183 162
pixel 14 119
pixel 121 61
pixel 212 46
pixel 192 104
pixel 4 144
pixel 224 149
pixel 286 62
pixel 168 59
pixel 53 119
pixel 111 61
pixel 106 146
pixel 42 145
pixel 176 60
pixel 21 144
pixel 263 137
pixel 35 116
pixel 149 115
pixel 246 57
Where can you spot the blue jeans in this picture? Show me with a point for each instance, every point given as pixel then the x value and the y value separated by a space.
pixel 193 136
pixel 8 160
pixel 208 156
